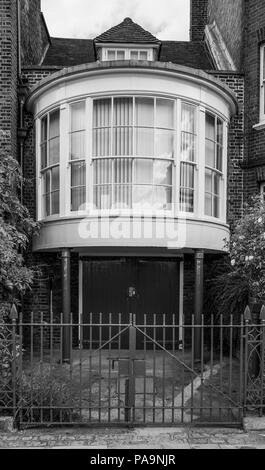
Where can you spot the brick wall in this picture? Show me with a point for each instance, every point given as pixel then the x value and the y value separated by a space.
pixel 34 35
pixel 198 19
pixel 229 17
pixel 8 75
pixel 235 81
pixel 255 139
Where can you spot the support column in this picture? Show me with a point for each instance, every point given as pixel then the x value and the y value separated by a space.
pixel 198 302
pixel 66 291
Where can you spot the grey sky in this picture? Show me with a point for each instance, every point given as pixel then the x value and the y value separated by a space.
pixel 166 19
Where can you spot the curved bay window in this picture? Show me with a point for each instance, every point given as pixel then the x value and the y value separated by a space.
pixel 133 151
pixel 50 163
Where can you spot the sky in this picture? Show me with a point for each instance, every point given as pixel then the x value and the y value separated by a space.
pixel 166 19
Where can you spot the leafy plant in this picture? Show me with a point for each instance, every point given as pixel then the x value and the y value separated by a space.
pixel 45 396
pixel 16 229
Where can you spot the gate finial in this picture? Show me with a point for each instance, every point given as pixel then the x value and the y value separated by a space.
pixel 247 314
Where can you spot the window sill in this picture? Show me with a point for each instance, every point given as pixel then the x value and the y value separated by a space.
pixel 260 126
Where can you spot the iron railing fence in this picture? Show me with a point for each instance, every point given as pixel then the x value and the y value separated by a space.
pixel 155 371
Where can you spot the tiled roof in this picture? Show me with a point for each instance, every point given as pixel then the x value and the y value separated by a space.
pixel 190 54
pixel 70 52
pixel 127 31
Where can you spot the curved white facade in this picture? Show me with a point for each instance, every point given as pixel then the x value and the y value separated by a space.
pixel 200 223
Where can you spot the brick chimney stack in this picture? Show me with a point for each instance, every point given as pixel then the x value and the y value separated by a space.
pixel 198 19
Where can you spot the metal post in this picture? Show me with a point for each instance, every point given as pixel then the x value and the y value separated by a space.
pixel 66 265
pixel 198 302
pixel 130 383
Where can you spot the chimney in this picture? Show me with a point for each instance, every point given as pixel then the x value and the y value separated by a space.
pixel 198 19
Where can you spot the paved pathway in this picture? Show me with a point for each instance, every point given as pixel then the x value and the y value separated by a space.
pixel 138 438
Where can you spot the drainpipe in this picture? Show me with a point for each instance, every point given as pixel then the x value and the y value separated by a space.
pixel 19 39
pixel 198 302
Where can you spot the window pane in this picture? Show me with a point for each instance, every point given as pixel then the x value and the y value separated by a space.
pixel 144 142
pixel 120 55
pixel 188 121
pixel 165 113
pixel 55 202
pixel 102 113
pixel 78 174
pixel 123 112
pixel 77 145
pixel 55 178
pixel 219 163
pixel 78 116
pixel 210 126
pixel 143 195
pixel 187 147
pixel 186 200
pixel 47 182
pixel 54 151
pixel 187 176
pixel 144 112
pixel 101 142
pixel 44 129
pixel 162 173
pixel 208 181
pixel 54 124
pixel 162 198
pixel 216 181
pixel 210 153
pixel 78 198
pixel 208 204
pixel 143 55
pixel 216 205
pixel 122 197
pixel 47 210
pixel 263 63
pixel 123 141
pixel 134 55
pixel 144 171
pixel 102 172
pixel 111 55
pixel 102 197
pixel 44 155
pixel 164 141
pixel 219 132
pixel 123 170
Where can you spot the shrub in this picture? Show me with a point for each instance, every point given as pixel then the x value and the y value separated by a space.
pixel 43 388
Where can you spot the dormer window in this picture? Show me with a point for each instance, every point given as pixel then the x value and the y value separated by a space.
pixel 126 53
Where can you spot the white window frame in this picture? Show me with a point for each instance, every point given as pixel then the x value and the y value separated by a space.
pixel 262 83
pixel 127 51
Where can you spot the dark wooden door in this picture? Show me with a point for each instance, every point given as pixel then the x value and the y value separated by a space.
pixel 141 286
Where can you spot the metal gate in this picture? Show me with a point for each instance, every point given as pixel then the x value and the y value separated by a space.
pixel 156 381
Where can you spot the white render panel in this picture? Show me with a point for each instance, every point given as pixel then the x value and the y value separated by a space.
pixel 194 234
pixel 107 83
